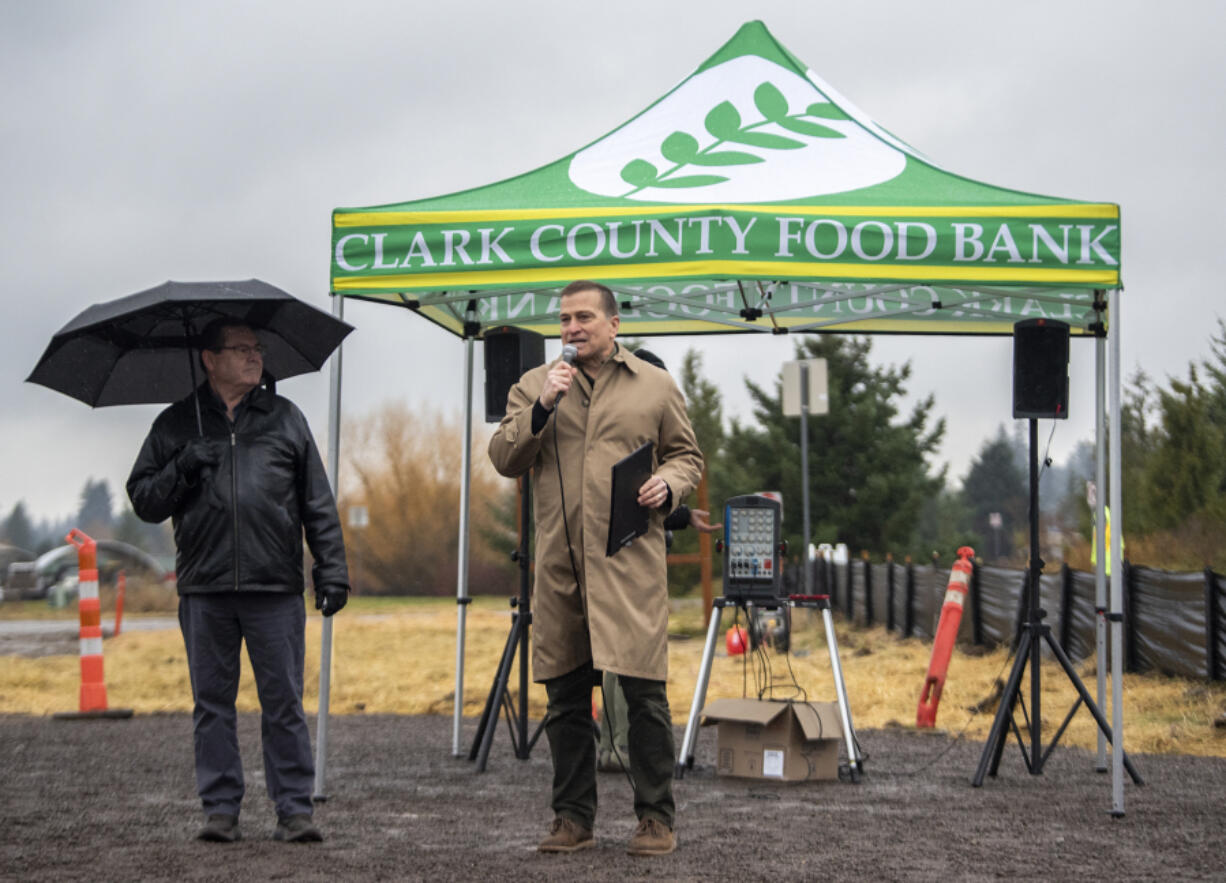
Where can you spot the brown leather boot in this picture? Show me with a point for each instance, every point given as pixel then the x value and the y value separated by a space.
pixel 652 837
pixel 566 836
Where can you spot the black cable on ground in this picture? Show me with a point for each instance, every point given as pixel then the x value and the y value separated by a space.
pixel 975 712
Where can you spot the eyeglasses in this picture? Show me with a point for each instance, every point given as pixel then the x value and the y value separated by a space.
pixel 244 349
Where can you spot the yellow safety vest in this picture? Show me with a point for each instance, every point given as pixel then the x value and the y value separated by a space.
pixel 1106 543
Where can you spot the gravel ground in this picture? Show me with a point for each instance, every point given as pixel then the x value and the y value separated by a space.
pixel 115 800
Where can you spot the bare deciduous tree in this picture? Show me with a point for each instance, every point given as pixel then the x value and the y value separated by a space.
pixel 404 466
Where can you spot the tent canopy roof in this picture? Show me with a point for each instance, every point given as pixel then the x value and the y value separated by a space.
pixel 751 197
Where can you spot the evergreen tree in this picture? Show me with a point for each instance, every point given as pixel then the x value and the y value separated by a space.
pixel 95 516
pixel 1020 445
pixel 156 539
pixel 945 526
pixel 17 530
pixel 704 406
pixel 995 483
pixel 705 409
pixel 1137 442
pixel 1186 473
pixel 1216 371
pixel 1074 512
pixel 868 475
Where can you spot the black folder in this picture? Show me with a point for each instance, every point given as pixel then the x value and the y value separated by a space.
pixel 627 519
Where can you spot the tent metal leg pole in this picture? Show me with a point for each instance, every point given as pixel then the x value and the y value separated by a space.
pixel 804 474
pixel 461 589
pixel 840 690
pixel 685 757
pixel 1100 527
pixel 1117 570
pixel 325 647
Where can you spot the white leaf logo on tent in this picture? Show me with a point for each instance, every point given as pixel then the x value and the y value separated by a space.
pixel 747 130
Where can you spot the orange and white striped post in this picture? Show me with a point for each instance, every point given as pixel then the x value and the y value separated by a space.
pixel 946 637
pixel 89 607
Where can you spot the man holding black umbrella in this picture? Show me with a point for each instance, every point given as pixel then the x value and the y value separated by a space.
pixel 242 485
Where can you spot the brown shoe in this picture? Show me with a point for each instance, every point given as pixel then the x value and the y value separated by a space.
pixel 652 837
pixel 566 836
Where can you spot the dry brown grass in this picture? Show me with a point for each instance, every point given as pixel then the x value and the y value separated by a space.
pixel 397 656
pixel 141 596
pixel 1196 544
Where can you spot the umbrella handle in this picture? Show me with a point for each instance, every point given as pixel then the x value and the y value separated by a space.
pixel 191 365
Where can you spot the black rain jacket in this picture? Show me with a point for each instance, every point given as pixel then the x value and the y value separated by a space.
pixel 239 526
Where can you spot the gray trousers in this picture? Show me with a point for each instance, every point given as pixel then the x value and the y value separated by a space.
pixel 273 625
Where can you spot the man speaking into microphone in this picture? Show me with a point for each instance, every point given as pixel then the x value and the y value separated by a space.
pixel 569 422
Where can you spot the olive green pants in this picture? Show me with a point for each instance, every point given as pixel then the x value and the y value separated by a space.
pixel 653 752
pixel 613 753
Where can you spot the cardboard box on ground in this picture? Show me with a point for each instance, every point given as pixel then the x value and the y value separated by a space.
pixel 770 739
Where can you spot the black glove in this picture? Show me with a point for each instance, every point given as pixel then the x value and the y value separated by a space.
pixel 330 599
pixel 196 454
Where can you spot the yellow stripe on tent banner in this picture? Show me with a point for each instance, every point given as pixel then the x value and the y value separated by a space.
pixel 1096 211
pixel 797 271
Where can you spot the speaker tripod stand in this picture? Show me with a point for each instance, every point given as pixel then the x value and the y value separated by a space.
pixel 1034 633
pixel 517 644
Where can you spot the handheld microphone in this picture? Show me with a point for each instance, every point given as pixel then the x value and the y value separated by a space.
pixel 569 354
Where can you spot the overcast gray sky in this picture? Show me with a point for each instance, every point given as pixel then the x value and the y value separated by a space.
pixel 145 141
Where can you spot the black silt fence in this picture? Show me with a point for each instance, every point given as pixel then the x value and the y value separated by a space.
pixel 1213 632
pixel 909 616
pixel 891 593
pixel 1174 623
pixel 976 608
pixel 869 606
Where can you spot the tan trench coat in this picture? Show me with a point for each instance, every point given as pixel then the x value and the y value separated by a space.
pixel 618 615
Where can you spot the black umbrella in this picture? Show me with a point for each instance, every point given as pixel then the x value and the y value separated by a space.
pixel 141 349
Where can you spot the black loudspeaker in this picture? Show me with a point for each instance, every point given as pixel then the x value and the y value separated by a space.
pixel 1040 369
pixel 509 352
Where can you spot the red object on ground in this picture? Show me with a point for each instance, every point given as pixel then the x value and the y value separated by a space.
pixel 947 635
pixel 93 687
pixel 736 639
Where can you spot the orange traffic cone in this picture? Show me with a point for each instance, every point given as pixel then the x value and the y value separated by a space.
pixel 89 607
pixel 947 634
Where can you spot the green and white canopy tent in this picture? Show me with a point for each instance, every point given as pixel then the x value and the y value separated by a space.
pixel 752 197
